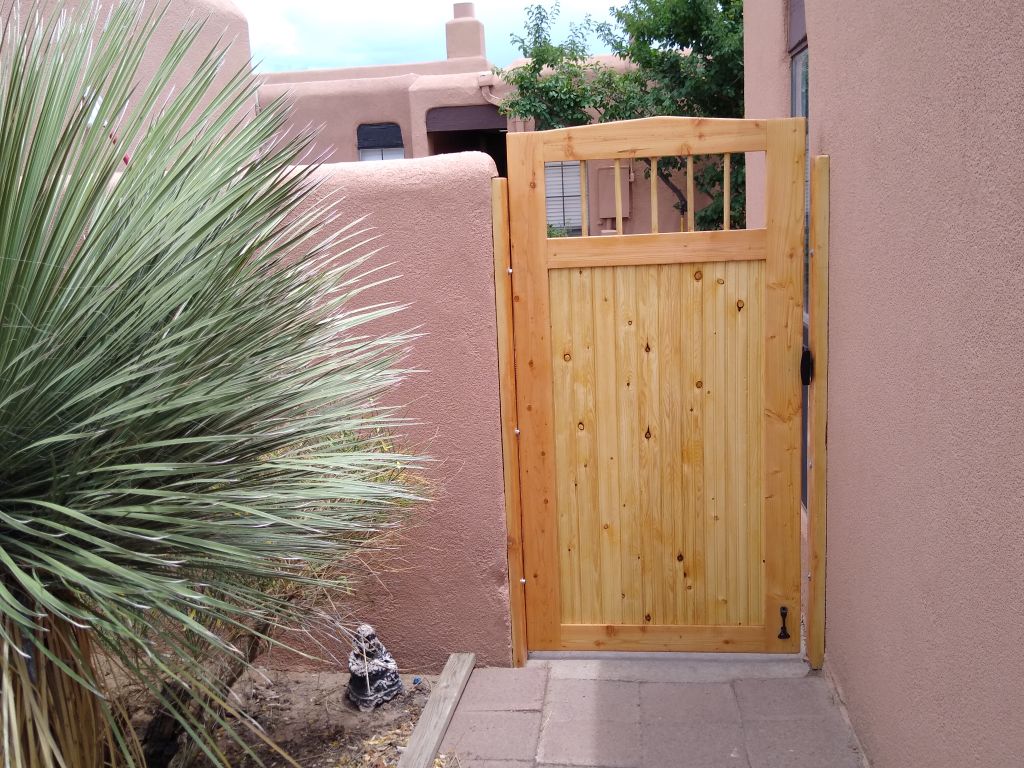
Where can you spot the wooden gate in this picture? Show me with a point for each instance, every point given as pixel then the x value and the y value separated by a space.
pixel 658 399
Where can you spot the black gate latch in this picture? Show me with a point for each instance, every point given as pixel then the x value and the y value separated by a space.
pixel 806 367
pixel 783 633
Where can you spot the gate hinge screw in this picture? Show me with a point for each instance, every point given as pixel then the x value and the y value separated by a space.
pixel 522 581
pixel 510 270
pixel 517 430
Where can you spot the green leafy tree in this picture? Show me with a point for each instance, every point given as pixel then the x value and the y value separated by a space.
pixel 190 389
pixel 683 57
pixel 555 86
pixel 687 54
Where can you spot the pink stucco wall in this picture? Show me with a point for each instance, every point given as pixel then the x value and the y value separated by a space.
pixel 444 587
pixel 224 26
pixel 339 106
pixel 918 105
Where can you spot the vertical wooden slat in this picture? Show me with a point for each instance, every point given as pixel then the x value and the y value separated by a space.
pixel 692 491
pixel 783 344
pixel 672 375
pixel 587 465
pixel 714 387
pixel 618 196
pixel 735 447
pixel 654 195
pixel 507 397
pixel 629 433
pixel 726 190
pixel 817 449
pixel 533 386
pixel 754 307
pixel 584 198
pixel 564 413
pixel 691 197
pixel 608 504
pixel 649 352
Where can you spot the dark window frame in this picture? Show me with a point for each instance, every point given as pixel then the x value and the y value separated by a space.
pixel 379 136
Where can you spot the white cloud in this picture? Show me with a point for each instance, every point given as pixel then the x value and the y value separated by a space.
pixel 303 34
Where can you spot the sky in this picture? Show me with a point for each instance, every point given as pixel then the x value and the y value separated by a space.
pixel 313 34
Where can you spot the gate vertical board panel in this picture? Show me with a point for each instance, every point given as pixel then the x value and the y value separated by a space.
pixel 533 388
pixel 586 468
pixel 783 345
pixel 754 307
pixel 565 448
pixel 608 518
pixel 659 403
pixel 714 389
pixel 690 322
pixel 630 436
pixel 669 366
pixel 735 445
pixel 651 449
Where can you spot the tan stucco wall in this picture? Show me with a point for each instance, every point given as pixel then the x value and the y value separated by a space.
pixel 224 25
pixel 339 107
pixel 918 104
pixel 444 67
pixel 446 589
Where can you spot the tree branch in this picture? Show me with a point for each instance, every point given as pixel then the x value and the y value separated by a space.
pixel 676 190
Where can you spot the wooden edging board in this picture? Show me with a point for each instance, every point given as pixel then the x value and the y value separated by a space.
pixel 433 723
pixel 817 403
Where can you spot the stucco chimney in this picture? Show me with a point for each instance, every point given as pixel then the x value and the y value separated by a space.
pixel 464 34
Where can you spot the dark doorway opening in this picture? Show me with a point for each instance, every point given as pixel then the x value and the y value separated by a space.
pixel 490 142
pixel 477 128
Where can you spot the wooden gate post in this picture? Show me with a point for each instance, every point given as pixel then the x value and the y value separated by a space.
pixel 509 440
pixel 817 404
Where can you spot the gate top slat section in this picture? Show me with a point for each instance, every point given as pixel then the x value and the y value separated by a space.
pixel 655 137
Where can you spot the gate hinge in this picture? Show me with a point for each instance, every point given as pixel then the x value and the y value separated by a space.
pixel 806 367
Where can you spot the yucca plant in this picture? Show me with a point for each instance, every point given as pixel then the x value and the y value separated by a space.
pixel 191 434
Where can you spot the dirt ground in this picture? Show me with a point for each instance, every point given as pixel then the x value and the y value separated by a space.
pixel 309 716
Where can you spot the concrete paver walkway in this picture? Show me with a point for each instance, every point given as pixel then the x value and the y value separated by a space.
pixel 761 712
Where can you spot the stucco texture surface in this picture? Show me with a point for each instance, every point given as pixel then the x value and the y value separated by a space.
pixel 338 107
pixel 919 105
pixel 443 585
pixel 224 27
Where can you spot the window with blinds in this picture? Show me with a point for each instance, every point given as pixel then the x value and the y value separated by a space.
pixel 380 141
pixel 562 194
pixel 384 153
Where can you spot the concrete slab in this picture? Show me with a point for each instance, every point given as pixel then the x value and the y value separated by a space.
pixel 591 743
pixel 510 690
pixel 688 703
pixel 694 745
pixel 492 735
pixel 592 701
pixel 652 713
pixel 802 743
pixel 688 670
pixel 809 697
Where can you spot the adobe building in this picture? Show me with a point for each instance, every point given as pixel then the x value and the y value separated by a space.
pixel 397 111
pixel 401 111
